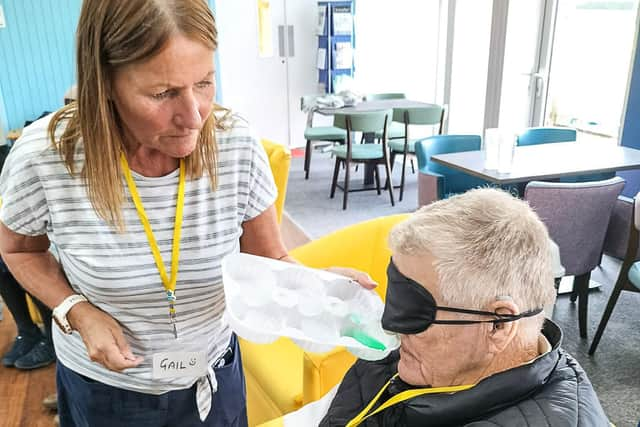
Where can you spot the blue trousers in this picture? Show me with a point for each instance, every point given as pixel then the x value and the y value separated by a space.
pixel 83 402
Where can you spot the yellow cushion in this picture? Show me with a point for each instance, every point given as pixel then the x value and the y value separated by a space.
pixel 280 161
pixel 323 371
pixel 277 367
pixel 259 406
pixel 362 246
pixel 278 422
pixel 289 376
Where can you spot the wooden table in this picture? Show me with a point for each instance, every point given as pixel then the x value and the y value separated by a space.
pixel 547 161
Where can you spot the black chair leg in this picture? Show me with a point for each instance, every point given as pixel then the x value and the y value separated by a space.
pixel 334 182
pixel 389 181
pixel 404 165
pixel 574 291
pixel 392 159
pixel 607 313
pixel 581 283
pixel 346 185
pixel 307 159
pixel 376 173
pixel 413 168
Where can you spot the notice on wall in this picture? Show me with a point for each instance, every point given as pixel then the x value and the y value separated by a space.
pixel 343 55
pixel 322 58
pixel 342 20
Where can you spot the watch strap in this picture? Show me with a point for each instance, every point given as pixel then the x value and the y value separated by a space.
pixel 60 312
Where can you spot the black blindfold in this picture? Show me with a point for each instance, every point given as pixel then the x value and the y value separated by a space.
pixel 410 308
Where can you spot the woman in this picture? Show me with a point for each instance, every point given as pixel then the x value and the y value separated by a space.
pixel 143 185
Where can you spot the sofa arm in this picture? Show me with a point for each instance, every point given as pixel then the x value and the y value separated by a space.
pixel 321 372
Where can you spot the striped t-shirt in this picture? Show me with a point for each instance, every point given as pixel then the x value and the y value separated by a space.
pixel 117 272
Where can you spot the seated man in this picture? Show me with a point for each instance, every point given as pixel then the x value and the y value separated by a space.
pixel 468 279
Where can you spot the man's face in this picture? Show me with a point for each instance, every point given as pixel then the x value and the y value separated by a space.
pixel 442 355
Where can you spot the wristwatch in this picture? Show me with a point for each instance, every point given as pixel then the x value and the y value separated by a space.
pixel 60 312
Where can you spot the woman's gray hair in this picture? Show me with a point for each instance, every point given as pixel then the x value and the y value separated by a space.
pixel 486 244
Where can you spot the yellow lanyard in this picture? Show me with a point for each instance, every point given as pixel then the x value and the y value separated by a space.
pixel 405 395
pixel 169 283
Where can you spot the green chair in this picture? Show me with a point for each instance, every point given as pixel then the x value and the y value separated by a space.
pixel 330 134
pixel 373 154
pixel 395 130
pixel 433 115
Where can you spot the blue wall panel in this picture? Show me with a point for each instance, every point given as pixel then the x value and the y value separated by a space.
pixel 631 127
pixel 36 56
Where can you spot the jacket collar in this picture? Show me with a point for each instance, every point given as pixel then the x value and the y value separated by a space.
pixel 493 393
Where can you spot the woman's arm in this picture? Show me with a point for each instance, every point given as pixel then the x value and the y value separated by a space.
pixel 36 269
pixel 261 236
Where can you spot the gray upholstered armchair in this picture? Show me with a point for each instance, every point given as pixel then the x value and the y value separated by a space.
pixel 577 216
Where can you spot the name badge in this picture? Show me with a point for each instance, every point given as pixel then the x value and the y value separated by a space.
pixel 179 364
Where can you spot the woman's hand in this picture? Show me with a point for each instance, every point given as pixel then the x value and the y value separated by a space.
pixel 103 337
pixel 359 276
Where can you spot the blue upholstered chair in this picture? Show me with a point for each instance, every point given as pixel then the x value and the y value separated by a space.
pixel 622 242
pixel 436 181
pixel 577 216
pixel 546 135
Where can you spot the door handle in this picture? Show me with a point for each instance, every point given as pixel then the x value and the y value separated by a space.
pixel 539 82
pixel 290 40
pixel 281 41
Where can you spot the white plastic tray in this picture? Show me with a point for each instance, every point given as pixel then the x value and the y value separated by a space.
pixel 318 310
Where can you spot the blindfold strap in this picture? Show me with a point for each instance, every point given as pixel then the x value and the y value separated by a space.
pixel 501 318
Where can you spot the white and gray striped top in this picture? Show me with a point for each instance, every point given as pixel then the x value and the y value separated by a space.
pixel 116 272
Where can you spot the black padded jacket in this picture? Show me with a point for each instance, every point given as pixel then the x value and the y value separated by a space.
pixel 551 391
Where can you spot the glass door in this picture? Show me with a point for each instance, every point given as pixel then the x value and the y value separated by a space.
pixel 517 64
pixel 498 62
pixel 524 71
pixel 590 66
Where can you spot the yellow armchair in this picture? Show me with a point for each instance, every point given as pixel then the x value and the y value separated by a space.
pixel 280 161
pixel 280 376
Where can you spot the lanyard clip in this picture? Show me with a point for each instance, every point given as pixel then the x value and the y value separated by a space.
pixel 171 296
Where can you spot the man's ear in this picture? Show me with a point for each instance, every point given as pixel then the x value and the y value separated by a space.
pixel 503 333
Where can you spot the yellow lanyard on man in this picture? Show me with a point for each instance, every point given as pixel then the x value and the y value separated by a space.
pixel 168 282
pixel 400 397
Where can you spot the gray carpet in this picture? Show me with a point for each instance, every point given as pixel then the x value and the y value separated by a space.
pixel 309 205
pixel 615 368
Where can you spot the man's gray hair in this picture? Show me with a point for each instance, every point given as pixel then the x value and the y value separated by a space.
pixel 486 244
